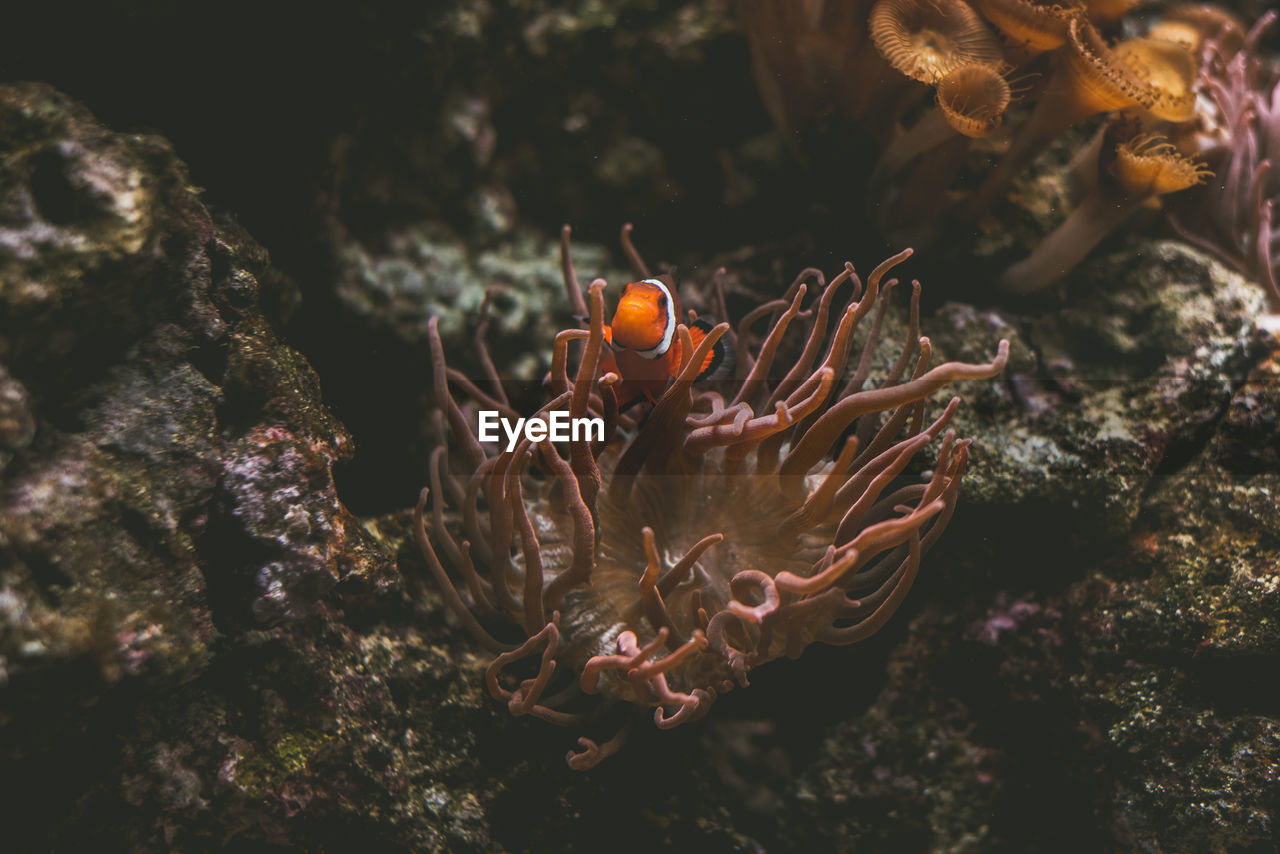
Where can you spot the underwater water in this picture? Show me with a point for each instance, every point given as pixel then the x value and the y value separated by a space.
pixel 238 246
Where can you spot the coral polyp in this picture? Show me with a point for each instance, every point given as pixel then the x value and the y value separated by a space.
pixel 1037 67
pixel 712 535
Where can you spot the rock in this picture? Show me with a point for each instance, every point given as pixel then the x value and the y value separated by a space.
pixel 178 577
pixel 1122 379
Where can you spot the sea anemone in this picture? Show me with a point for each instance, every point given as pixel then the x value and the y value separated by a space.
pixel 1239 135
pixel 659 566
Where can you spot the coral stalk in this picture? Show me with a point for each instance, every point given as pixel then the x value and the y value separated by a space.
pixel 1141 168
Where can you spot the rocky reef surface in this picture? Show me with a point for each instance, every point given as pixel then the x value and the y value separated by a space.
pixel 202 647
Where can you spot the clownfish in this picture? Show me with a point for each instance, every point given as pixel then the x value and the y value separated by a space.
pixel 643 348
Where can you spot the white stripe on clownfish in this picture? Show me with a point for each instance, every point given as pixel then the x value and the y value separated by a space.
pixel 669 328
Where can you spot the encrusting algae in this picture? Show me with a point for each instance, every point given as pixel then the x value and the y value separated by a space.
pixel 721 531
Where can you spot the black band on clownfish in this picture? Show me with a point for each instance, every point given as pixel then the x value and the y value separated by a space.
pixel 721 360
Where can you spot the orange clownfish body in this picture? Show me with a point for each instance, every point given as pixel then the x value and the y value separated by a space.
pixel 644 350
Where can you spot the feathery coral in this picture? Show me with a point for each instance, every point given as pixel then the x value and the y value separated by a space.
pixel 928 40
pixel 973 99
pixel 978 56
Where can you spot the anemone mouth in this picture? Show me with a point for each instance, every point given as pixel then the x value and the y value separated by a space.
pixel 1029 25
pixel 1168 71
pixel 928 40
pixel 1146 164
pixel 973 99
